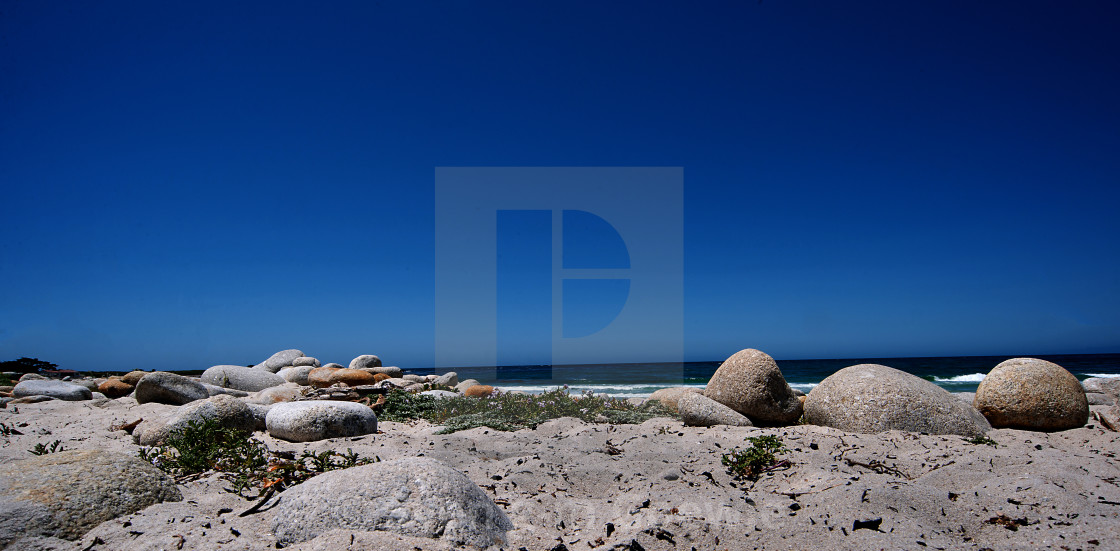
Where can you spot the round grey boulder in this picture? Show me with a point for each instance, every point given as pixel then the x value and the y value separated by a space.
pixel 60 390
pixel 169 388
pixel 870 398
pixel 228 411
pixel 750 383
pixel 311 420
pixel 449 379
pixel 296 374
pixel 365 360
pixel 1032 394
pixel 334 365
pixel 65 494
pixel 279 360
pixel 390 370
pixel 305 361
pixel 670 396
pixel 464 385
pixel 698 410
pixel 414 496
pixel 248 379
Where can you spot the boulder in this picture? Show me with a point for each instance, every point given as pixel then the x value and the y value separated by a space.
pixel 390 370
pixel 670 396
pixel 751 383
pixel 413 378
pixel 414 496
pixel 133 377
pixel 323 377
pixel 1109 386
pixel 88 383
pixel 870 398
pixel 334 365
pixel 464 385
pixel 59 390
pixel 1099 399
pixel 381 377
pixel 248 379
pixel 215 390
pixel 365 360
pixel 296 374
pixel 440 394
pixel 698 410
pixel 260 413
pixel 169 388
pixel 449 379
pixel 228 411
pixel 305 361
pixel 1032 394
pixel 32 377
pixel 115 388
pixel 287 392
pixel 479 390
pixel 279 360
pixel 65 494
pixel 312 420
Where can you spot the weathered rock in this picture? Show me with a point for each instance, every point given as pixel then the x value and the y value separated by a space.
pixel 169 388
pixel 1099 399
pixel 305 361
pixel 698 410
pixel 479 391
pixel 133 377
pixel 1032 394
pixel 334 365
pixel 967 397
pixel 308 421
pixel 279 360
pixel 464 385
pixel 296 374
pixel 286 392
pixel 670 396
pixel 59 390
pixel 215 390
pixel 1109 386
pixel 320 377
pixel 872 398
pixel 440 393
pixel 65 494
pixel 449 379
pixel 323 377
pixel 751 383
pixel 248 379
pixel 260 414
pixel 228 411
pixel 390 370
pixel 88 383
pixel 381 377
pixel 32 377
pixel 415 496
pixel 413 378
pixel 115 388
pixel 365 360
pixel 414 387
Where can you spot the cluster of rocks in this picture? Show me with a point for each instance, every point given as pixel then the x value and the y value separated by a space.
pixel 1024 393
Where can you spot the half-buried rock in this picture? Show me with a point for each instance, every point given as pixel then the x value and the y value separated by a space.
pixel 414 496
pixel 248 379
pixel 670 396
pixel 227 411
pixel 870 398
pixel 169 388
pixel 59 390
pixel 311 420
pixel 1032 394
pixel 750 383
pixel 698 410
pixel 65 494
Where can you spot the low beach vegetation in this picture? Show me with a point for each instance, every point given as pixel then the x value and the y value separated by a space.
pixel 760 457
pixel 41 449
pixel 513 411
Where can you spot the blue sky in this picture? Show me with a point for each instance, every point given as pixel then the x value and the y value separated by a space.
pixel 187 184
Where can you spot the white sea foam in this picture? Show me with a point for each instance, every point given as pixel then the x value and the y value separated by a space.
pixel 970 378
pixel 1105 375
pixel 803 387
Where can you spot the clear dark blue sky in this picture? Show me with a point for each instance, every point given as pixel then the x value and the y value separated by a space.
pixel 192 183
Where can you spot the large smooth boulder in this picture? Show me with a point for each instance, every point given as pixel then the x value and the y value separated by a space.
pixel 323 377
pixel 464 385
pixel 414 496
pixel 305 361
pixel 60 390
pixel 215 390
pixel 870 398
pixel 751 383
pixel 1107 386
pixel 113 387
pixel 287 392
pixel 698 410
pixel 365 360
pixel 311 420
pixel 65 494
pixel 133 377
pixel 477 391
pixel 228 411
pixel 390 370
pixel 297 374
pixel 669 397
pixel 279 360
pixel 449 379
pixel 169 388
pixel 248 379
pixel 1032 394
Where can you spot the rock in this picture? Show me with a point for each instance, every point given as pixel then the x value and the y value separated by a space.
pixel 430 378
pixel 305 361
pixel 365 360
pixel 248 379
pixel 32 377
pixel 228 411
pixel 413 378
pixel 698 410
pixel 1109 386
pixel 390 370
pixel 1110 418
pixel 279 360
pixel 414 496
pixel 440 394
pixel 133 377
pixel 1099 399
pixel 751 383
pixel 871 398
pixel 1032 394
pixel 297 375
pixel 323 377
pixel 381 377
pixel 287 392
pixel 464 385
pixel 115 388
pixel 670 396
pixel 967 397
pixel 308 421
pixel 260 413
pixel 169 388
pixel 334 365
pixel 65 494
pixel 33 399
pixel 399 383
pixel 479 390
pixel 449 379
pixel 414 387
pixel 88 383
pixel 59 390
pixel 215 390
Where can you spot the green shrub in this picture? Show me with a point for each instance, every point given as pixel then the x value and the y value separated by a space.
pixel 982 440
pixel 760 457
pixel 40 449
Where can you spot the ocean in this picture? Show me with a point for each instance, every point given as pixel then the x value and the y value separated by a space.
pixel 639 380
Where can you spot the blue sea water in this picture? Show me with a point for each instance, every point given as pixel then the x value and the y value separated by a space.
pixel 955 374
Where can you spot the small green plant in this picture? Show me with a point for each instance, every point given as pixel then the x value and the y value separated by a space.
pixel 760 457
pixel 40 449
pixel 982 440
pixel 5 430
